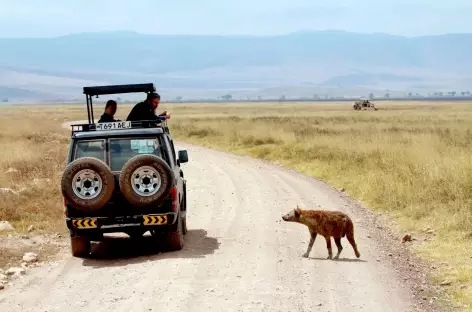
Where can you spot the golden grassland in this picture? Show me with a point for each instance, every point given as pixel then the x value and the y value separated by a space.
pixel 411 160
pixel 32 155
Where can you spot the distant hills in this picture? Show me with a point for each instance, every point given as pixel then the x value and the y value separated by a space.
pixel 299 64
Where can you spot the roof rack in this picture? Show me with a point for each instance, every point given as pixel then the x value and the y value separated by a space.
pixel 114 89
pixel 121 125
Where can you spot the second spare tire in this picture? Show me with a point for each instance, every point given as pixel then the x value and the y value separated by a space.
pixel 146 180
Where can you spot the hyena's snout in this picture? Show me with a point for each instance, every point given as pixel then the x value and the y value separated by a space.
pixel 288 218
pixel 291 216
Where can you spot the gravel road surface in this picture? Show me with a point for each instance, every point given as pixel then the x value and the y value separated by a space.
pixel 238 256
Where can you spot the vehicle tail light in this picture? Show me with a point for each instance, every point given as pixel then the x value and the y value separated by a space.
pixel 173 194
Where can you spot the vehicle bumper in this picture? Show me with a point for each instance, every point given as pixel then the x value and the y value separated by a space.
pixel 120 224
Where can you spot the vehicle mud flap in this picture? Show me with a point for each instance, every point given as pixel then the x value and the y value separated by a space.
pixel 80 246
pixel 175 235
pixel 146 180
pixel 87 184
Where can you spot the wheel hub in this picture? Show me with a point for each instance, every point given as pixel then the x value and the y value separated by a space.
pixel 146 181
pixel 87 184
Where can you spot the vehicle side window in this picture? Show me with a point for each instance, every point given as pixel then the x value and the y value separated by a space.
pixel 169 148
pixel 95 149
pixel 173 150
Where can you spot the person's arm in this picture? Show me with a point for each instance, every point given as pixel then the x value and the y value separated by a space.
pixel 165 115
pixel 158 118
pixel 131 115
pixel 155 117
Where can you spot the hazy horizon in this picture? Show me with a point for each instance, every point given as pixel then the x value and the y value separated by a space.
pixel 52 18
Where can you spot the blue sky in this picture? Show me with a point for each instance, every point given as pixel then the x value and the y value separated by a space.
pixel 45 18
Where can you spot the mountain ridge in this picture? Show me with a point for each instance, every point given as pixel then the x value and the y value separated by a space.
pixel 210 65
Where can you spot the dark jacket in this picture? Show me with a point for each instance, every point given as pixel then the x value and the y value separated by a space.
pixel 142 111
pixel 106 118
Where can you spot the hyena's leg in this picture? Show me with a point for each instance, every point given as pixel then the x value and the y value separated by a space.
pixel 328 245
pixel 340 247
pixel 310 244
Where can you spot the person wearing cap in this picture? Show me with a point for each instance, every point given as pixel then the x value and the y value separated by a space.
pixel 110 110
pixel 146 110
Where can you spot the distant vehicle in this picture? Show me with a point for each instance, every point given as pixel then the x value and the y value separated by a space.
pixel 123 177
pixel 363 104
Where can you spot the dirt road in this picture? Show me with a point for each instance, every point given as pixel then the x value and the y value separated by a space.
pixel 239 255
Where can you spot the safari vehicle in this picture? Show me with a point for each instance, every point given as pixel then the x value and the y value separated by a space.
pixel 363 104
pixel 123 177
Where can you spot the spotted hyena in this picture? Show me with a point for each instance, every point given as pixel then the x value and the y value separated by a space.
pixel 326 223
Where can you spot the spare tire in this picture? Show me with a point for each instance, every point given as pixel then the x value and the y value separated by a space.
pixel 146 180
pixel 87 184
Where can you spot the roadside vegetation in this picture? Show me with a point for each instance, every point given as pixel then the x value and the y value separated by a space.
pixel 411 161
pixel 32 155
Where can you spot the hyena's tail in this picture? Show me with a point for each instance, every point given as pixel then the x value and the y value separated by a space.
pixel 347 224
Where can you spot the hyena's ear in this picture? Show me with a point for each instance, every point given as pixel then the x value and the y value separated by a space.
pixel 298 211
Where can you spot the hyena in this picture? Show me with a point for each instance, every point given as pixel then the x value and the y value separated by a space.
pixel 326 223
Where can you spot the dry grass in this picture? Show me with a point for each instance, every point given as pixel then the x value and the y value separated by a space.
pixel 410 160
pixel 33 150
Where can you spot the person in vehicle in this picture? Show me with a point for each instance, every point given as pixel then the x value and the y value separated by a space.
pixel 110 110
pixel 146 110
